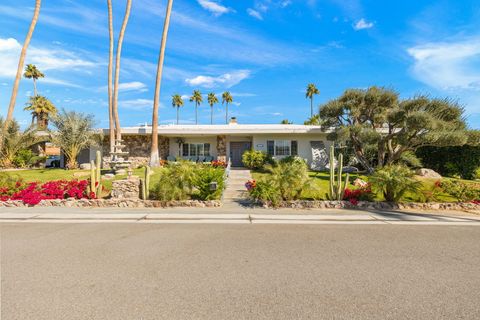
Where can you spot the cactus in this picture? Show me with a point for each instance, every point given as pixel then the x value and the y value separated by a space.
pixel 93 179
pixel 147 182
pixel 337 188
pixel 95 175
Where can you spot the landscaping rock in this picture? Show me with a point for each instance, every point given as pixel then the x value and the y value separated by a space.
pixel 85 166
pixel 108 176
pixel 126 189
pixel 428 173
pixel 81 174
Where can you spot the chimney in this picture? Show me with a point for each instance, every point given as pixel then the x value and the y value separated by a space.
pixel 233 120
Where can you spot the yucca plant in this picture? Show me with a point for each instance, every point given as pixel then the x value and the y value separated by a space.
pixel 393 181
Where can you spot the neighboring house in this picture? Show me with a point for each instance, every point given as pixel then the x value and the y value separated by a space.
pixel 222 142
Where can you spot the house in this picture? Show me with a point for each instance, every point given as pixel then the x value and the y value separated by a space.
pixel 222 142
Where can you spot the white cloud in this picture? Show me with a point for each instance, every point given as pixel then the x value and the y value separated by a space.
pixel 226 80
pixel 362 24
pixel 254 13
pixel 136 104
pixel 45 59
pixel 214 7
pixel 448 65
pixel 133 86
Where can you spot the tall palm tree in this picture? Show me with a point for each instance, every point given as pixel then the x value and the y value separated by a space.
pixel 212 100
pixel 154 158
pixel 41 109
pixel 32 72
pixel 111 124
pixel 117 70
pixel 226 99
pixel 311 92
pixel 177 102
pixel 197 98
pixel 21 62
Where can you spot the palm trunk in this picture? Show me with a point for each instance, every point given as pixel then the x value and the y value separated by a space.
pixel 34 87
pixel 111 129
pixel 117 70
pixel 211 114
pixel 311 107
pixel 226 114
pixel 21 62
pixel 154 158
pixel 196 113
pixel 177 115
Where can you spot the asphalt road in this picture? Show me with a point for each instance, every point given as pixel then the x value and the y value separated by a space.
pixel 129 271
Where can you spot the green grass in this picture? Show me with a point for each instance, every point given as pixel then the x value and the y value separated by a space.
pixel 320 185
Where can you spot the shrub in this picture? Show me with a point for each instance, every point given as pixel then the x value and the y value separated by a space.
pixel 393 181
pixel 461 191
pixel 26 158
pixel 363 193
pixel 219 164
pixel 254 159
pixel 203 178
pixel 477 174
pixel 264 191
pixel 432 194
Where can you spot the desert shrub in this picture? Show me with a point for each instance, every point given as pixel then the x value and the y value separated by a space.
pixel 461 162
pixel 254 159
pixel 264 191
pixel 394 181
pixel 461 191
pixel 26 158
pixel 432 194
pixel 204 176
pixel 363 193
pixel 477 174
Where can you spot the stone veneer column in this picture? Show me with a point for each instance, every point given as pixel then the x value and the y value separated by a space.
pixel 222 148
pixel 164 147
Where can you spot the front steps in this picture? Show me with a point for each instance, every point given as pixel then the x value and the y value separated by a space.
pixel 235 193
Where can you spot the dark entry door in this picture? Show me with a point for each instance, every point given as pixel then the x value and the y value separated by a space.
pixel 236 151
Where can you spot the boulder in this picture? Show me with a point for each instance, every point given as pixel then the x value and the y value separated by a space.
pixel 85 166
pixel 108 176
pixel 428 173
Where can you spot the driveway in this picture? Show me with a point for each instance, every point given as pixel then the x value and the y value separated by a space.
pixel 245 271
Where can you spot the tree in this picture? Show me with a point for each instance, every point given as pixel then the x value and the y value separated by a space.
pixel 311 92
pixel 74 133
pixel 313 121
pixel 286 121
pixel 212 100
pixel 177 102
pixel 18 76
pixel 393 181
pixel 198 99
pixel 111 124
pixel 117 71
pixel 32 72
pixel 14 141
pixel 226 99
pixel 154 158
pixel 376 120
pixel 41 109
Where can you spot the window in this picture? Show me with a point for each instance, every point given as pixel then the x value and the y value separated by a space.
pixel 282 148
pixel 195 149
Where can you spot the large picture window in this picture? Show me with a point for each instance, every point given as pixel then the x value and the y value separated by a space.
pixel 195 149
pixel 282 147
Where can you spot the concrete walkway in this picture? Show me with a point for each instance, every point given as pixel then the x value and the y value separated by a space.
pixel 235 194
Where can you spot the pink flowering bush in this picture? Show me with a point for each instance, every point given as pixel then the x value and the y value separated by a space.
pixel 363 193
pixel 33 192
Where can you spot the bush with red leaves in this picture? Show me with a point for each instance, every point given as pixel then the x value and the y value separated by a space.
pixel 361 194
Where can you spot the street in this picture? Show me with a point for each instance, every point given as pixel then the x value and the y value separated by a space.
pixel 245 271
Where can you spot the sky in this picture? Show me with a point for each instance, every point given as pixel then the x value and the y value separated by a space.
pixel 264 52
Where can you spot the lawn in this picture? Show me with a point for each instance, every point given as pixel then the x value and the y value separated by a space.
pixel 320 185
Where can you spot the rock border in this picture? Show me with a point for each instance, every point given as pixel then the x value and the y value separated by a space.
pixel 113 203
pixel 365 205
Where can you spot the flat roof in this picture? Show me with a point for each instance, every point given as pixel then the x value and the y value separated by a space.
pixel 222 129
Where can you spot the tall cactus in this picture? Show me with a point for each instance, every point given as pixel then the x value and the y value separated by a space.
pixel 337 188
pixel 95 175
pixel 145 181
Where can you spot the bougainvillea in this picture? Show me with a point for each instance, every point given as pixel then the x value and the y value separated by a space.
pixel 250 184
pixel 361 194
pixel 32 193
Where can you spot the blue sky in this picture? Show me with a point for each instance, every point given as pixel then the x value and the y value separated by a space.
pixel 264 51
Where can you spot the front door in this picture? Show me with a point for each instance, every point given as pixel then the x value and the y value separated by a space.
pixel 236 151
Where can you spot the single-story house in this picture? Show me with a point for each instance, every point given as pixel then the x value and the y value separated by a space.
pixel 222 142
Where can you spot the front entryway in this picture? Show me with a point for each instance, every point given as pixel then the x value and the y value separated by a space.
pixel 236 151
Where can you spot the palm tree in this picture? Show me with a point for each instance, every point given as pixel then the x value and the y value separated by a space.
pixel 311 91
pixel 117 70
pixel 111 124
pixel 154 158
pixel 74 132
pixel 226 99
pixel 177 102
pixel 41 109
pixel 14 141
pixel 197 98
pixel 212 100
pixel 21 62
pixel 286 121
pixel 32 72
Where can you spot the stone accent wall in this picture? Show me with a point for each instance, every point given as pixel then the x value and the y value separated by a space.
pixel 163 147
pixel 114 203
pixel 126 189
pixel 222 148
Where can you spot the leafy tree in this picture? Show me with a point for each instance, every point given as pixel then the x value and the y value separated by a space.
pixel 41 109
pixel 226 99
pixel 21 62
pixel 177 102
pixel 32 72
pixel 286 121
pixel 154 157
pixel 310 93
pixel 377 119
pixel 74 132
pixel 212 100
pixel 198 99
pixel 14 141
